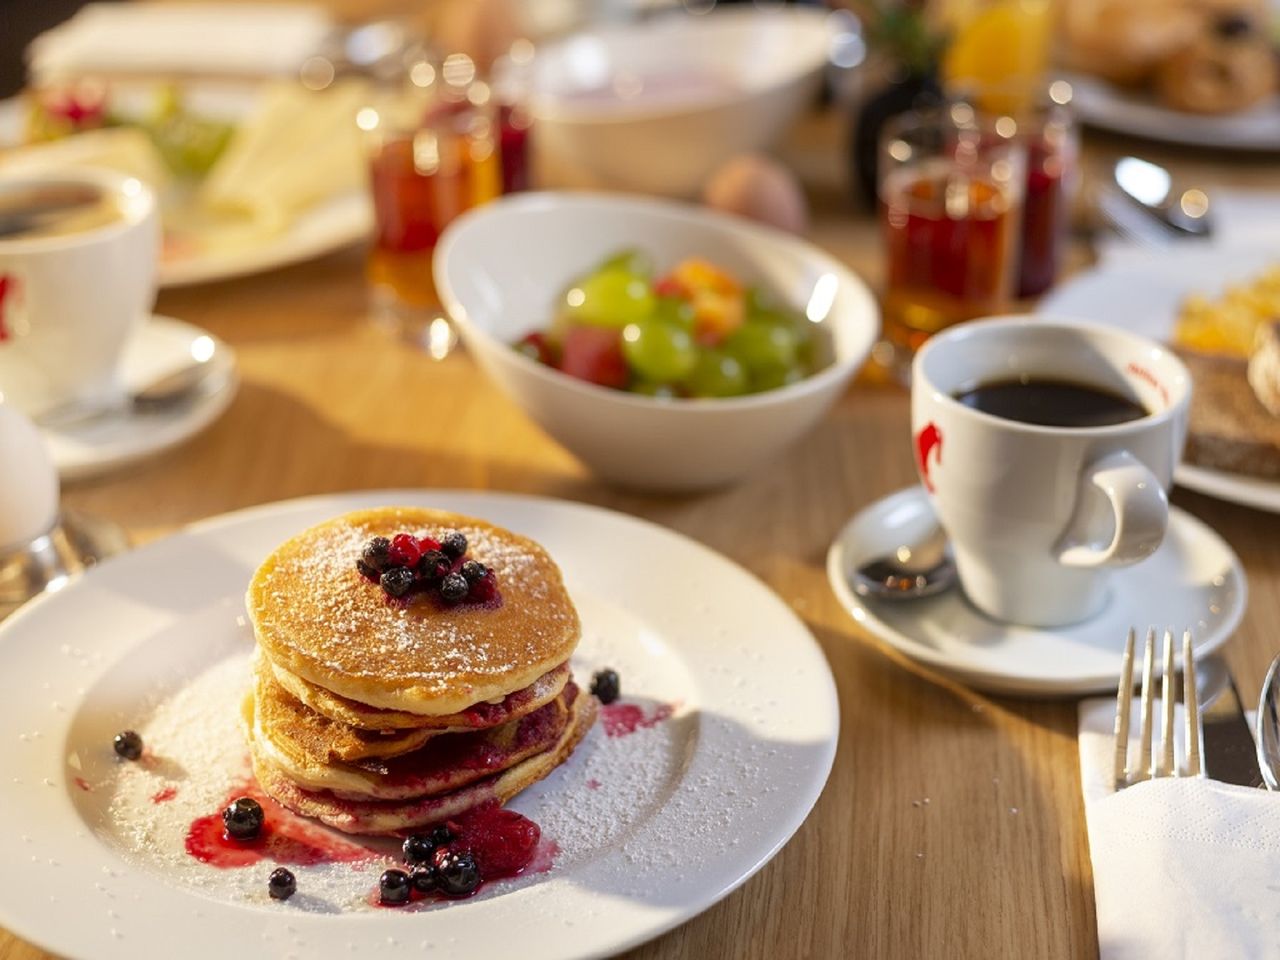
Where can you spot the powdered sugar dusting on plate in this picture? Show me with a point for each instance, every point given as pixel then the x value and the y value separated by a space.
pixel 196 753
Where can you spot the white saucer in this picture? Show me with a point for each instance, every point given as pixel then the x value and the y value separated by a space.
pixel 1194 580
pixel 97 446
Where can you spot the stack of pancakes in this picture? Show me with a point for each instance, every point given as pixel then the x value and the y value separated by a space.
pixel 378 715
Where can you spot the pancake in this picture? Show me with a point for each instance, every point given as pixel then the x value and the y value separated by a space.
pixel 476 717
pixel 317 738
pixel 377 817
pixel 314 615
pixel 282 735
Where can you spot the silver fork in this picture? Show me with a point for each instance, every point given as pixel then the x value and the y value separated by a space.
pixel 1150 764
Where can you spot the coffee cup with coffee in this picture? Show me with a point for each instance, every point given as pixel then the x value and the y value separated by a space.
pixel 1047 448
pixel 78 255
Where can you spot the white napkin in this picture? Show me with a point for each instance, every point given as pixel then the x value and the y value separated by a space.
pixel 1241 218
pixel 242 39
pixel 1181 867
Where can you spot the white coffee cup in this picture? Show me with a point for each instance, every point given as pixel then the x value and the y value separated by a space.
pixel 70 301
pixel 1037 515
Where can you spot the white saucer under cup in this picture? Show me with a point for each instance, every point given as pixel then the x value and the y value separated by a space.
pixel 1194 581
pixel 122 437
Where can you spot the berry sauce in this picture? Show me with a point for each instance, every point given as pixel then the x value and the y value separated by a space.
pixel 285 838
pixel 503 843
pixel 164 795
pixel 624 719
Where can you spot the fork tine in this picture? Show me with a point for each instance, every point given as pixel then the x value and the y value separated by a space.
pixel 1166 766
pixel 1191 697
pixel 1145 759
pixel 1124 704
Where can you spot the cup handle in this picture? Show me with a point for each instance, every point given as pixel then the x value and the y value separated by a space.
pixel 1139 514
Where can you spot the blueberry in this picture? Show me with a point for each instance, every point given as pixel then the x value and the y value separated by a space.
pixel 458 875
pixel 418 848
pixel 281 884
pixel 454 545
pixel 474 571
pixel 454 587
pixel 397 581
pixel 366 571
pixel 128 745
pixel 374 555
pixel 243 819
pixel 424 878
pixel 434 565
pixel 394 887
pixel 606 685
pixel 441 836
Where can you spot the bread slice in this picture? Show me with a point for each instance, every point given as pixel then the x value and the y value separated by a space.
pixel 1230 429
pixel 1264 367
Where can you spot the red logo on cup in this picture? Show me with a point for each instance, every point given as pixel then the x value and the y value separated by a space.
pixel 8 294
pixel 927 440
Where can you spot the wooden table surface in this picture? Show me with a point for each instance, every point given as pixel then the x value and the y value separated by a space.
pixel 996 864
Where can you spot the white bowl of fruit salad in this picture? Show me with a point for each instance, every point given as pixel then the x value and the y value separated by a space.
pixel 667 346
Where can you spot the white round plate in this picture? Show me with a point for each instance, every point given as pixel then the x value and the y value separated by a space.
pixel 112 441
pixel 1103 105
pixel 1193 581
pixel 1143 295
pixel 328 226
pixel 653 828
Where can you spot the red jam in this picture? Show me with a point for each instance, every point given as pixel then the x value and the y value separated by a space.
pixel 285 838
pixel 502 841
pixel 624 719
pixel 164 795
pixel 504 844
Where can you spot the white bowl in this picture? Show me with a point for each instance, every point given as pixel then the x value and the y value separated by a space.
pixel 500 269
pixel 656 107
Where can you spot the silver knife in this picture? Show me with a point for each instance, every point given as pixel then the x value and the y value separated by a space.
pixel 1227 745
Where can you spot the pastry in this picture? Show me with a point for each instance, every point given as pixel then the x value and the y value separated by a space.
pixel 1228 67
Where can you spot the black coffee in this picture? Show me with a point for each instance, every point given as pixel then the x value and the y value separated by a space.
pixel 1051 403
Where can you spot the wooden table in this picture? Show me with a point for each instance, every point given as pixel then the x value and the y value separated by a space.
pixel 995 864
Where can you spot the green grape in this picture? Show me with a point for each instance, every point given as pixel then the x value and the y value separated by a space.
pixel 760 304
pixel 777 377
pixel 659 351
pixel 716 374
pixel 763 346
pixel 673 310
pixel 629 260
pixel 609 298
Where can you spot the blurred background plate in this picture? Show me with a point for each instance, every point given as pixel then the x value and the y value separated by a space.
pixel 1143 295
pixel 1108 107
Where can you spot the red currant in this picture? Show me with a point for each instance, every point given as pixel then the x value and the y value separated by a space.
pixel 405 551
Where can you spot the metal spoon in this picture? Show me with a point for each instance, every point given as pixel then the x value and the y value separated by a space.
pixel 184 385
pixel 909 572
pixel 1267 727
pixel 1173 211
